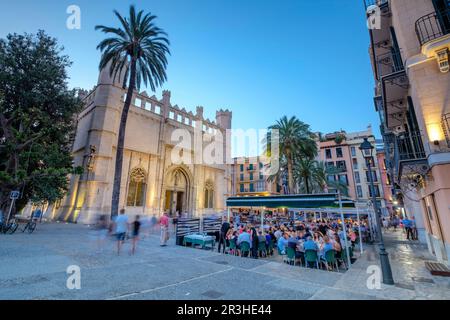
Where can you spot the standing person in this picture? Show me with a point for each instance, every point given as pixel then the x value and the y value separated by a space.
pixel 135 233
pixel 121 228
pixel 255 242
pixel 164 222
pixel 408 230
pixel 223 233
pixel 415 236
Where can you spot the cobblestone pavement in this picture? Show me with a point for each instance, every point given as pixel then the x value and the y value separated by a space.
pixel 34 267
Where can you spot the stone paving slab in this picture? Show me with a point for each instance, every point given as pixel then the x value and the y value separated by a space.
pixel 34 267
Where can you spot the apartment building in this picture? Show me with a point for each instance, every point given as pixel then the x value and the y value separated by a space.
pixel 247 178
pixel 409 51
pixel 340 151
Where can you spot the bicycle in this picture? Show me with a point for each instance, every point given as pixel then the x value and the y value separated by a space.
pixel 29 226
pixel 10 228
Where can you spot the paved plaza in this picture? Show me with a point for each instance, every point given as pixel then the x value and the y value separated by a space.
pixel 33 266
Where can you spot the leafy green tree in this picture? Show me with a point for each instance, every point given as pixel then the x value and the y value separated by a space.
pixel 137 51
pixel 37 119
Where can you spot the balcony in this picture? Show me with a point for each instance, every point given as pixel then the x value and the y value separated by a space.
pixel 446 127
pixel 409 154
pixel 389 63
pixel 433 26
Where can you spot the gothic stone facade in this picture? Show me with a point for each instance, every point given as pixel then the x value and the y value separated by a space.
pixel 151 182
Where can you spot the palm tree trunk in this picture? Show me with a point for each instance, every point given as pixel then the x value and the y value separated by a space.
pixel 290 175
pixel 307 185
pixel 121 142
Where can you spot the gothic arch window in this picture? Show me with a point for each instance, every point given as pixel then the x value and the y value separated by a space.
pixel 136 188
pixel 209 195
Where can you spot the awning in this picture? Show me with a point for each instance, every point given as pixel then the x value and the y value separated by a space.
pixel 327 200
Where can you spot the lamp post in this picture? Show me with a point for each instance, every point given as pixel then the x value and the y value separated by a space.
pixel 367 152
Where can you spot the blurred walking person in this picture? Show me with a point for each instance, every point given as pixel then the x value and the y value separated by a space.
pixel 101 229
pixel 135 234
pixel 121 229
pixel 164 223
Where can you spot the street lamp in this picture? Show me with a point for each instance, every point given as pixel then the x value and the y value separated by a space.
pixel 367 152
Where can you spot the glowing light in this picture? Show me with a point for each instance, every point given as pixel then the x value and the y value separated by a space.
pixel 435 132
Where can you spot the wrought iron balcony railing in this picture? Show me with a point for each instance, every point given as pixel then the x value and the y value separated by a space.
pixel 410 146
pixel 433 26
pixel 446 127
pixel 389 63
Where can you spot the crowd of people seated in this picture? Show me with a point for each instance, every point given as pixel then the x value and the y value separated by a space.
pixel 274 238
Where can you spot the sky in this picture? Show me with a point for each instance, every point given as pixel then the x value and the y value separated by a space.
pixel 261 59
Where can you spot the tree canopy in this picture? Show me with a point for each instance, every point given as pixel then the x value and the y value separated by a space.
pixel 37 119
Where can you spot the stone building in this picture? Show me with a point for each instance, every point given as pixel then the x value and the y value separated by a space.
pixel 340 150
pixel 410 51
pixel 152 181
pixel 248 179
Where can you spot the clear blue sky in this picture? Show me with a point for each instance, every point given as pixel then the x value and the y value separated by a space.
pixel 262 59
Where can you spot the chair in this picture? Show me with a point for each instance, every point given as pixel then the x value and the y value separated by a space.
pixel 330 259
pixel 245 248
pixel 262 249
pixel 233 248
pixel 311 257
pixel 290 255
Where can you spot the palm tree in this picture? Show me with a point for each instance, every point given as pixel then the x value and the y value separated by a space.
pixel 324 184
pixel 305 174
pixel 296 139
pixel 137 51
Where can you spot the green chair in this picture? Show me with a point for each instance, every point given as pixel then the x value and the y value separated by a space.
pixel 245 248
pixel 330 259
pixel 233 248
pixel 311 257
pixel 290 256
pixel 262 249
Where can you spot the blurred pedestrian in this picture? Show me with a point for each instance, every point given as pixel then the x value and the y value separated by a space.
pixel 153 222
pixel 164 222
pixel 135 234
pixel 101 230
pixel 121 229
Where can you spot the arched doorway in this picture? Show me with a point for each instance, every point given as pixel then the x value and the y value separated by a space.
pixel 177 191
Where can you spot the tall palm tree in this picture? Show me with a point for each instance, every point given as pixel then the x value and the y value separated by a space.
pixel 296 139
pixel 137 50
pixel 305 174
pixel 324 184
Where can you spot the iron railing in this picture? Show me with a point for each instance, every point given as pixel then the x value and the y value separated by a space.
pixel 446 127
pixel 389 63
pixel 433 26
pixel 410 146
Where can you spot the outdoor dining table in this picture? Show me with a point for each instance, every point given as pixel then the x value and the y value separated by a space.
pixel 199 239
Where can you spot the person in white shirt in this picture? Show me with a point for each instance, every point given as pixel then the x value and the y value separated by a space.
pixel 121 228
